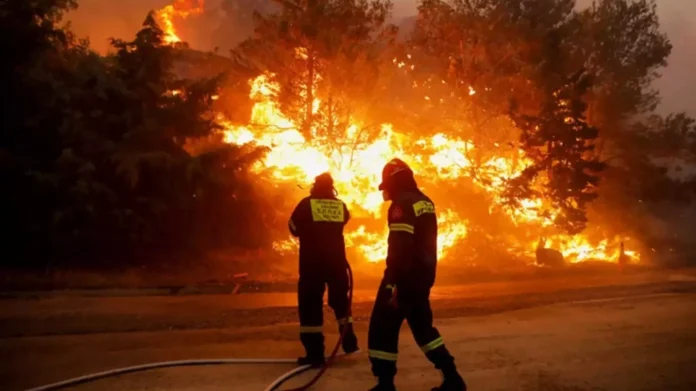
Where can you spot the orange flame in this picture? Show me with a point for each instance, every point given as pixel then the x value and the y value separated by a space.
pixel 293 158
pixel 356 170
pixel 180 9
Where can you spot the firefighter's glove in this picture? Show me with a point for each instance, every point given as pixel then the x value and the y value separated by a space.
pixel 393 299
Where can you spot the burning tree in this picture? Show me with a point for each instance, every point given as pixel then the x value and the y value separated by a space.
pixel 620 42
pixel 453 108
pixel 560 143
pixel 494 52
pixel 324 58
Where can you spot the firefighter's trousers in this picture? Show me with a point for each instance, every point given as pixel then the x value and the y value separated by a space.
pixel 385 323
pixel 311 302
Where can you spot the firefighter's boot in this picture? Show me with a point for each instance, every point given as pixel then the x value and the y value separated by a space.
pixel 384 384
pixel 350 340
pixel 314 347
pixel 452 382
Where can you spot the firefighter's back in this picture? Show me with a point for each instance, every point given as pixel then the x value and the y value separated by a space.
pixel 321 240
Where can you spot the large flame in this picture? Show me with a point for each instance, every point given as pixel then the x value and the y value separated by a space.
pixel 356 171
pixel 179 9
pixel 357 174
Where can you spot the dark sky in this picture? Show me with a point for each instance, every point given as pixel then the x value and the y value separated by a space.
pixel 101 19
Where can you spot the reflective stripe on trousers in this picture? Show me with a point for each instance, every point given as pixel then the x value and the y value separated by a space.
pixel 381 355
pixel 432 345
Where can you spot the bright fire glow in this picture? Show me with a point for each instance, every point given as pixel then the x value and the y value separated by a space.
pixel 294 159
pixel 180 9
pixel 356 170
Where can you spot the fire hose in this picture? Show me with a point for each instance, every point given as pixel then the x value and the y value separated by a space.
pixel 166 364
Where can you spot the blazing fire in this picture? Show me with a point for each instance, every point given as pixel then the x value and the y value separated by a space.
pixel 357 173
pixel 356 170
pixel 292 158
pixel 180 9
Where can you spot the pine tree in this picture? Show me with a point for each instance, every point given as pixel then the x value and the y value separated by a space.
pixel 560 142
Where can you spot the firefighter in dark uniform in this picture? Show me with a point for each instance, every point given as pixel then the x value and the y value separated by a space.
pixel 404 292
pixel 318 222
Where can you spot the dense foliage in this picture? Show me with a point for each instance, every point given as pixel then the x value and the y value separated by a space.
pixel 112 158
pixel 578 84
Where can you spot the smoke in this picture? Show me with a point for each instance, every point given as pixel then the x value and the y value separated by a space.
pixel 222 25
pixel 225 23
pixel 678 81
pixel 100 20
pixel 677 20
pixel 404 9
pixel 236 21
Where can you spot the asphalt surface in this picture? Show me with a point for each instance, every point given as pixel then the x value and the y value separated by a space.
pixel 627 333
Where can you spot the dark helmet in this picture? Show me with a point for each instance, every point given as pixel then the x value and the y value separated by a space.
pixel 394 171
pixel 323 183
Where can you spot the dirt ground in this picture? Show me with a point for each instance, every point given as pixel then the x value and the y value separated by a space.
pixel 631 332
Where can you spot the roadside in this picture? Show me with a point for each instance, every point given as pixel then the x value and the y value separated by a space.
pixel 52 338
pixel 247 278
pixel 56 315
pixel 639 343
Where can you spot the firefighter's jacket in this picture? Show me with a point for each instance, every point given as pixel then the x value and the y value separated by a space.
pixel 412 243
pixel 318 223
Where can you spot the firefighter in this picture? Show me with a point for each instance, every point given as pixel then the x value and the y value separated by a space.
pixel 318 222
pixel 404 292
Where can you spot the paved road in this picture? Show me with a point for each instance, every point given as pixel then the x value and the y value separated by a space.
pixel 633 344
pixel 642 338
pixel 64 315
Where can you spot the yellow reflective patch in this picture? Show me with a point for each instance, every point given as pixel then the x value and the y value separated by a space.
pixel 400 227
pixel 421 207
pixel 327 210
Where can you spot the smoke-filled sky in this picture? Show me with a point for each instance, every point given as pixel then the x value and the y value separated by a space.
pixel 101 19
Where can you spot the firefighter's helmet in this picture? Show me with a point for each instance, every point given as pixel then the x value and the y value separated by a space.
pixel 323 183
pixel 394 170
pixel 324 179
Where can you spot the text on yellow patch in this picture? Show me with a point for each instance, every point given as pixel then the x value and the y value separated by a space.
pixel 327 210
pixel 421 207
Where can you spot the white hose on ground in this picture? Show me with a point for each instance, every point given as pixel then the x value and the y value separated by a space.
pixel 287 375
pixel 164 364
pixel 296 371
